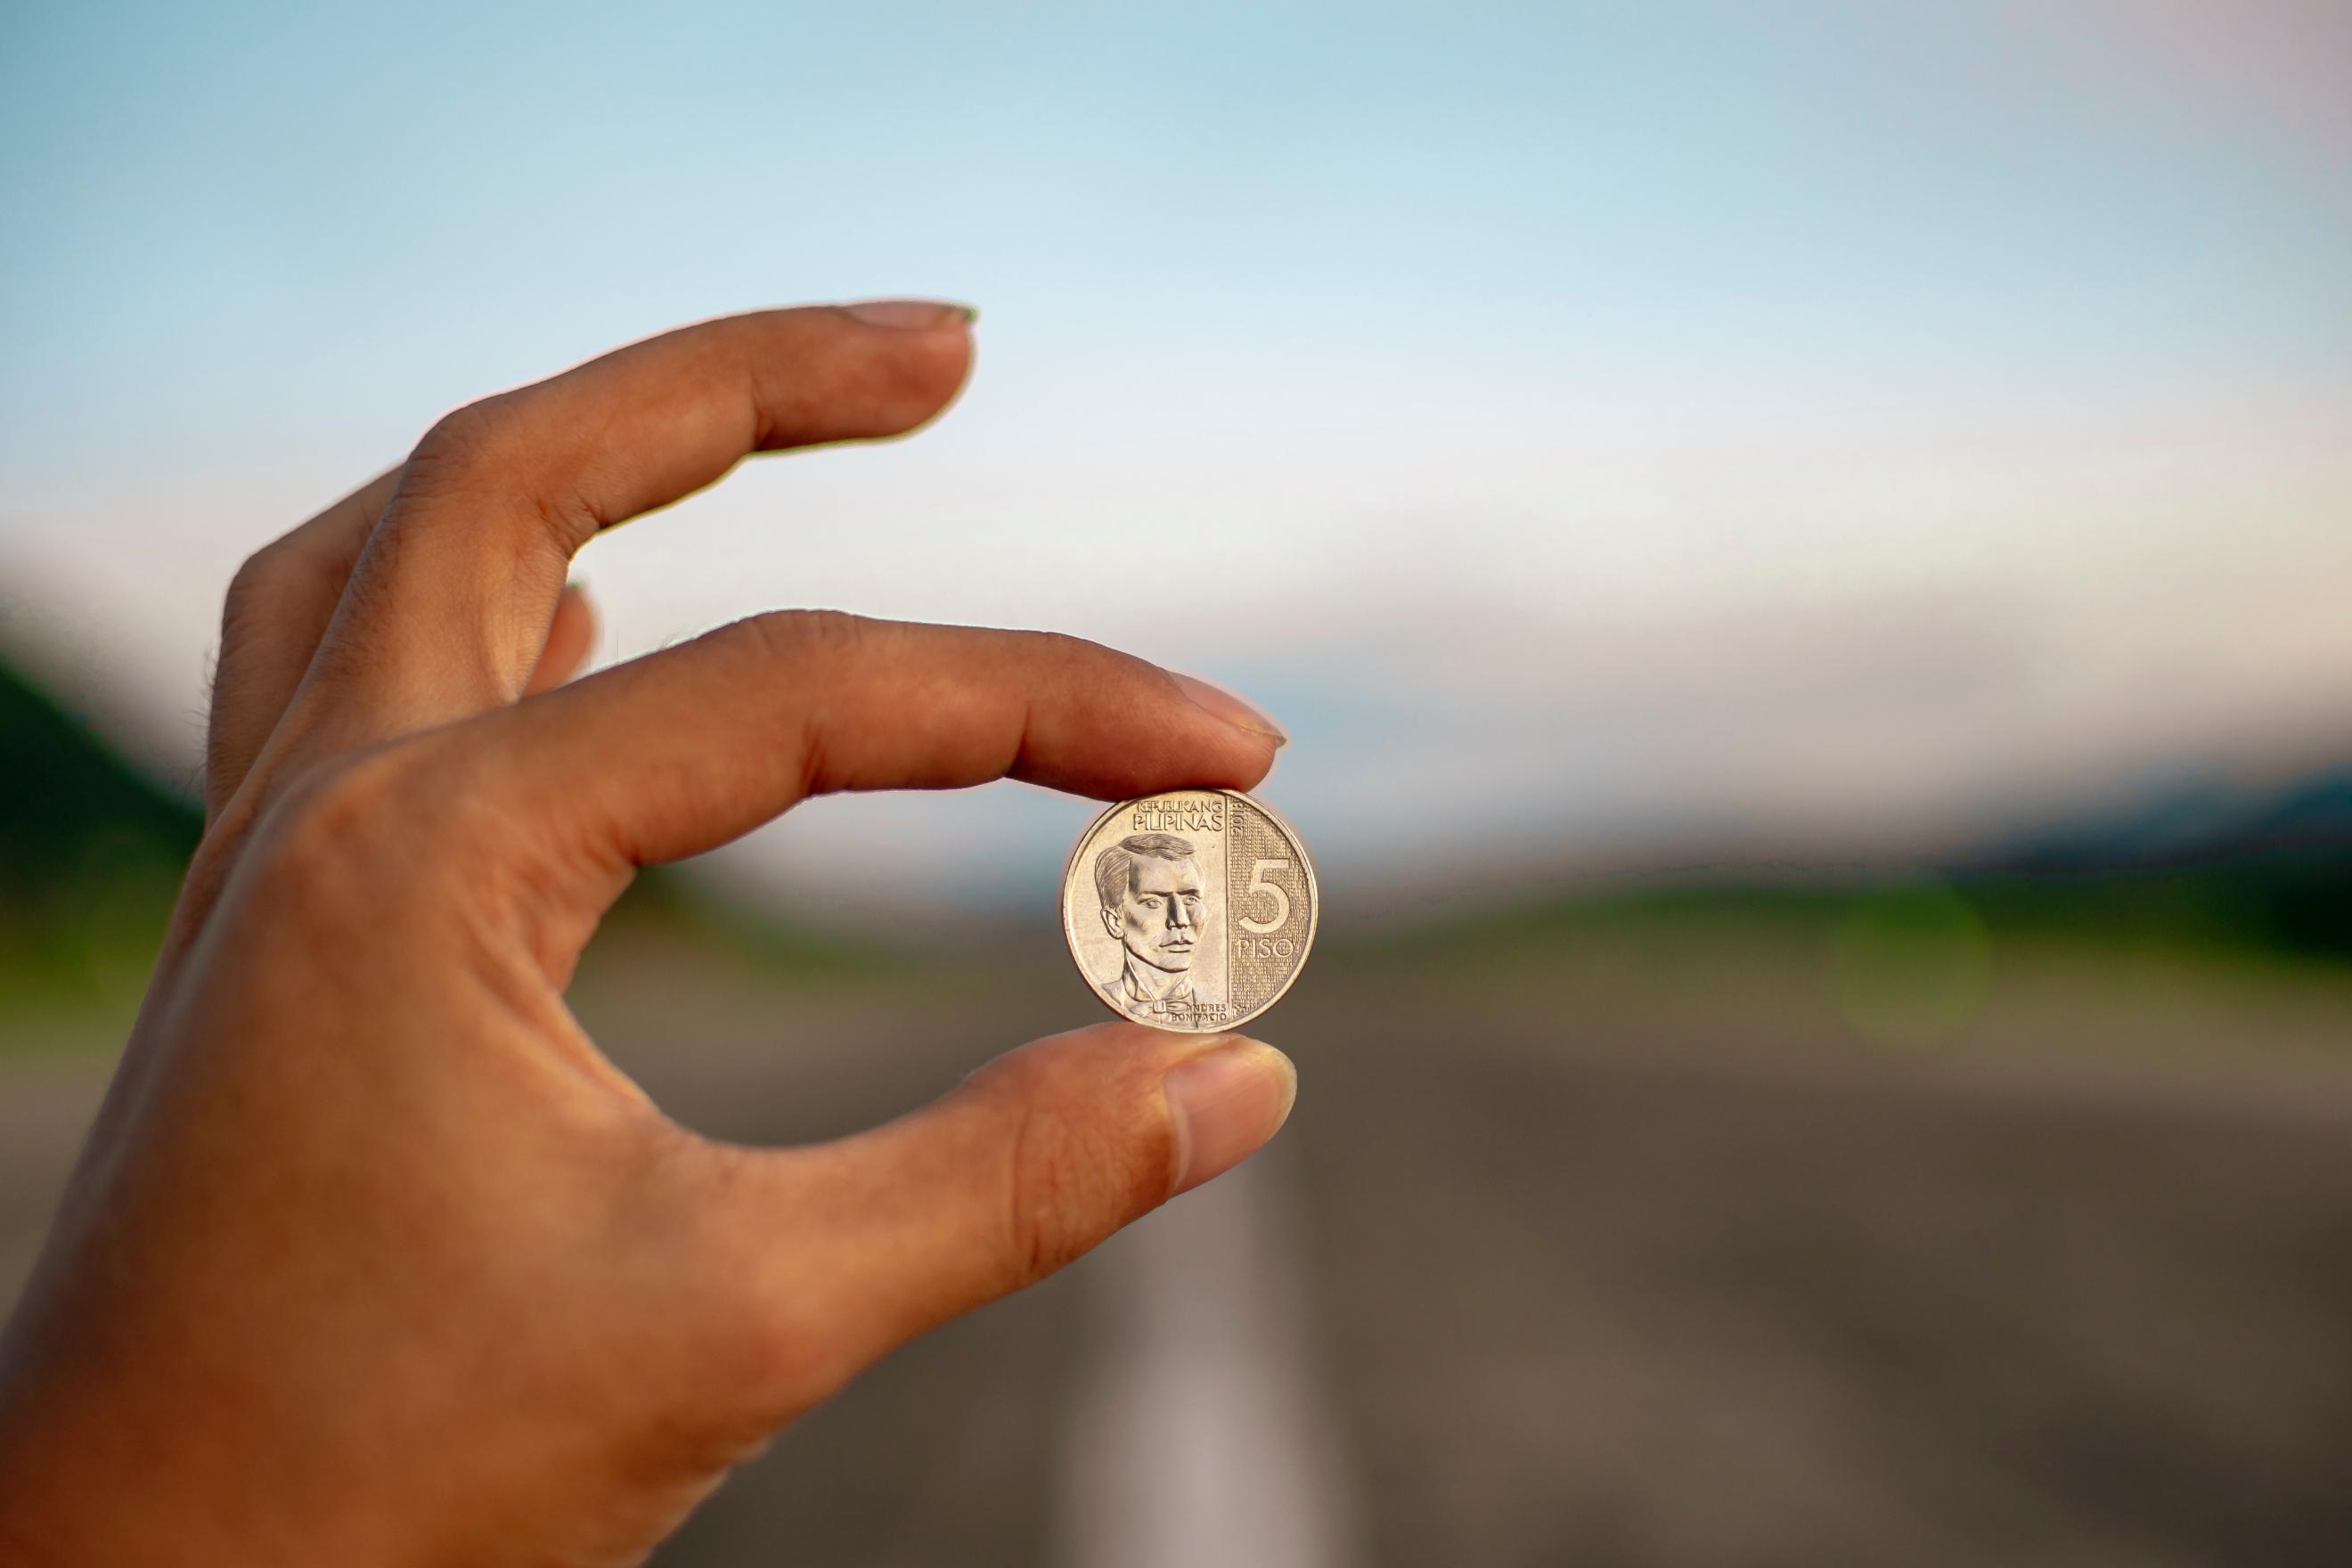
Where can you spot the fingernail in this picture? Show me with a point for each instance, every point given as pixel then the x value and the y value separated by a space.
pixel 1234 710
pixel 1226 1103
pixel 920 314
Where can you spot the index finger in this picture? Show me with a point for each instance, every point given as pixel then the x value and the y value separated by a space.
pixel 449 605
pixel 689 748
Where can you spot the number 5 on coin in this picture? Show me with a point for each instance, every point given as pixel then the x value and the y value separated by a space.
pixel 1258 884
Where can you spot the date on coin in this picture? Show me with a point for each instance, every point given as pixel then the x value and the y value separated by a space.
pixel 1189 911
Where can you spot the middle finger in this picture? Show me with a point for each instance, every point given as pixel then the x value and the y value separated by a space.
pixel 449 607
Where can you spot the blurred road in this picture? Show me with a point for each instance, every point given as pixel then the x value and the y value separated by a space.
pixel 1621 1257
pixel 1198 1430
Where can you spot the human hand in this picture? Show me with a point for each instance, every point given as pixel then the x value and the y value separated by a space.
pixel 371 1257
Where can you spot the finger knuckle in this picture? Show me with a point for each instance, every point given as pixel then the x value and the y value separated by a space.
pixel 280 574
pixel 260 584
pixel 493 455
pixel 336 810
pixel 469 440
pixel 795 636
pixel 251 591
pixel 347 836
pixel 257 575
pixel 1061 647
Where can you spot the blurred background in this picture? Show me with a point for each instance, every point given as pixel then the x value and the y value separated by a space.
pixel 1807 553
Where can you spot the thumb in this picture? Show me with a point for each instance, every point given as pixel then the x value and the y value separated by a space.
pixel 1028 1164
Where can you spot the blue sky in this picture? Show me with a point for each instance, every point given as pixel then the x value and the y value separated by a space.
pixel 1644 418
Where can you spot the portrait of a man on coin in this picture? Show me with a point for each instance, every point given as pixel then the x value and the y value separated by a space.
pixel 1155 904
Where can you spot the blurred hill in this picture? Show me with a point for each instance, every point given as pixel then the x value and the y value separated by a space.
pixel 67 794
pixel 92 849
pixel 2201 820
pixel 91 854
pixel 2263 864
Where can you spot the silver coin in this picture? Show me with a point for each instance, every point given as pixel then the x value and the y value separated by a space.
pixel 1190 911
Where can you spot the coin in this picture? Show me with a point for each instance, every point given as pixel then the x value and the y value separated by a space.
pixel 1190 911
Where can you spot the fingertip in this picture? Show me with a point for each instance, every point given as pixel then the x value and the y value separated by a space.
pixel 1226 1104
pixel 919 371
pixel 577 609
pixel 1249 736
pixel 1232 708
pixel 571 632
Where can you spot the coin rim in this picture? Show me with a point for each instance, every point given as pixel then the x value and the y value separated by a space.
pixel 1306 863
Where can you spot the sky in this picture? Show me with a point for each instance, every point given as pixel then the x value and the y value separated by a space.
pixel 1593 429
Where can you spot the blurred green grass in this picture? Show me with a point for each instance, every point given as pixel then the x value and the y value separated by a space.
pixel 2291 907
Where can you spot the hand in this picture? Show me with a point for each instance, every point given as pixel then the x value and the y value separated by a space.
pixel 371 1257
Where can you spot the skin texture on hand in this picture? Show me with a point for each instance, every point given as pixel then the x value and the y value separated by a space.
pixel 372 1257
